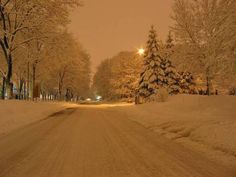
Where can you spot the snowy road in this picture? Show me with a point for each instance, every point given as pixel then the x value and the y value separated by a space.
pixel 98 142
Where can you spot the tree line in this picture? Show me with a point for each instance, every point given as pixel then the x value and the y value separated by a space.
pixel 198 57
pixel 116 77
pixel 38 56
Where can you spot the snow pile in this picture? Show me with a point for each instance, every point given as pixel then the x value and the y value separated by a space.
pixel 15 114
pixel 209 121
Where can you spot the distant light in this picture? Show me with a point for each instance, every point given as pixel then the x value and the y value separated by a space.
pixel 88 99
pixel 141 51
pixel 98 97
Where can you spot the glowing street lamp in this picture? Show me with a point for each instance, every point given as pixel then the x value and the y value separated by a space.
pixel 141 51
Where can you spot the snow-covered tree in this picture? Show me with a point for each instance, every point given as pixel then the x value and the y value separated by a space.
pixel 22 21
pixel 169 45
pixel 172 78
pixel 118 77
pixel 187 83
pixel 205 31
pixel 102 79
pixel 153 76
pixel 126 71
pixel 65 66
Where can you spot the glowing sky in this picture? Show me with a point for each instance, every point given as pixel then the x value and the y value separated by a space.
pixel 106 27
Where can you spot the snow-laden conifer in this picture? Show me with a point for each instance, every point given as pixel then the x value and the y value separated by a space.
pixel 153 75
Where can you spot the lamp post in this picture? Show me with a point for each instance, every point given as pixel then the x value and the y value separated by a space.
pixel 140 54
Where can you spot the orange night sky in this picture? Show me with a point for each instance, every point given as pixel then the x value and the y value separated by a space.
pixel 106 27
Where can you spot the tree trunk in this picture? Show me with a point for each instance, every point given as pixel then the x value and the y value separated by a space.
pixel 208 82
pixel 59 91
pixel 60 84
pixel 3 87
pixel 9 85
pixel 24 90
pixel 34 78
pixel 28 81
pixel 208 86
pixel 20 94
pixel 9 90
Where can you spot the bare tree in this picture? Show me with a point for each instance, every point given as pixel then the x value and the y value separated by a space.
pixel 65 66
pixel 24 16
pixel 118 77
pixel 205 32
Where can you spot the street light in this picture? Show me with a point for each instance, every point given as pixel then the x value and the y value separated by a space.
pixel 141 51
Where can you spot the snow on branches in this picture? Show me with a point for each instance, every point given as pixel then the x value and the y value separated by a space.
pixel 27 30
pixel 158 71
pixel 205 33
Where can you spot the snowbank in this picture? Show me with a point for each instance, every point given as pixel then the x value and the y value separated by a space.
pixel 209 121
pixel 15 114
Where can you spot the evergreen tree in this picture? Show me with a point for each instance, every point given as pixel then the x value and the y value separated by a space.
pixel 169 44
pixel 187 83
pixel 153 76
pixel 178 82
pixel 172 78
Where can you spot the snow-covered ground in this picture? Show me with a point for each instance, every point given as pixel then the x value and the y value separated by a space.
pixel 15 114
pixel 205 123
